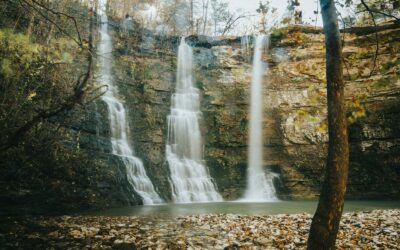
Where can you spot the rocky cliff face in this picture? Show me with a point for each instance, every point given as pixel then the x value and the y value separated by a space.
pixel 76 171
pixel 299 102
pixel 295 130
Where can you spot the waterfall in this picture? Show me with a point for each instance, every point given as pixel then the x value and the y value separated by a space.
pixel 259 183
pixel 246 47
pixel 119 127
pixel 190 180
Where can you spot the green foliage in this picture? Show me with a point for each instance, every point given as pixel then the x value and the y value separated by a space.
pixel 316 95
pixel 359 55
pixel 298 79
pixel 243 125
pixel 238 72
pixel 220 14
pixel 385 82
pixel 60 52
pixel 6 69
pixel 39 69
pixel 34 77
pixel 355 109
pixel 141 71
pixel 394 46
pixel 17 51
pixel 306 117
pixel 279 32
pixel 267 16
pixel 390 65
pixel 263 7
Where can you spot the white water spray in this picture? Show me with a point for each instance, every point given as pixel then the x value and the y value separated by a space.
pixel 246 48
pixel 136 172
pixel 260 187
pixel 190 180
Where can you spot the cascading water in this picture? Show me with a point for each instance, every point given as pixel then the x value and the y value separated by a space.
pixel 190 180
pixel 260 185
pixel 136 173
pixel 246 48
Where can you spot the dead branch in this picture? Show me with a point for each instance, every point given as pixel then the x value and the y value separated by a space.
pixel 370 29
pixel 77 98
pixel 376 35
pixel 34 5
pixel 343 45
pixel 369 9
pixel 231 22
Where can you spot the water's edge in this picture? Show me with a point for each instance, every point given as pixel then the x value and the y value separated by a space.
pixel 241 208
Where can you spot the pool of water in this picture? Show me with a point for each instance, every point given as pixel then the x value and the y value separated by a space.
pixel 279 207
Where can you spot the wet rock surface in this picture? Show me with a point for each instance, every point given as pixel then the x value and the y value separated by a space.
pixel 377 229
pixel 295 115
pixel 295 131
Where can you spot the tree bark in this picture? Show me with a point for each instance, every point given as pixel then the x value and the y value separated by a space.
pixel 325 224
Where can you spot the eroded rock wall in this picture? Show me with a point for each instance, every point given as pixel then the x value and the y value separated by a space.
pixel 295 131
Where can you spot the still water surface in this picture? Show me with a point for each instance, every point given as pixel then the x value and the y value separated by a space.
pixel 279 207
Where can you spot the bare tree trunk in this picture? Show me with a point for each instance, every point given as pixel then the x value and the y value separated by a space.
pixel 198 26
pixel 49 34
pixel 91 39
pixel 325 224
pixel 205 17
pixel 191 17
pixel 31 23
pixel 51 29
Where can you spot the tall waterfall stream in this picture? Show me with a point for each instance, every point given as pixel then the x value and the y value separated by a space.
pixel 259 183
pixel 119 126
pixel 190 180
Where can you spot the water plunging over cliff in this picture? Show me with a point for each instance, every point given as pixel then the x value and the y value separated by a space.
pixel 259 183
pixel 246 48
pixel 136 173
pixel 190 180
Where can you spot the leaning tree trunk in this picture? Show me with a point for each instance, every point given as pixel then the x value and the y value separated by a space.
pixel 325 224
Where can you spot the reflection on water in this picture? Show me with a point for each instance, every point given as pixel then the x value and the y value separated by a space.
pixel 279 207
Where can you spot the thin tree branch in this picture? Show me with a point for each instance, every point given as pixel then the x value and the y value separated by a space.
pixel 231 22
pixel 378 12
pixel 366 30
pixel 376 35
pixel 34 7
pixel 75 99
pixel 343 45
pixel 98 95
pixel 61 14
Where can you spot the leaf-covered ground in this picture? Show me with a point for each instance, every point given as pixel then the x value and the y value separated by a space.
pixel 379 229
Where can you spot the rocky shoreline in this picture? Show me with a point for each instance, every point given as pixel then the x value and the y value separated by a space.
pixel 377 229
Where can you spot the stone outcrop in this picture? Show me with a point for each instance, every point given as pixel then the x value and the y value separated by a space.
pixel 80 174
pixel 295 129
